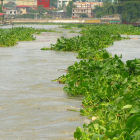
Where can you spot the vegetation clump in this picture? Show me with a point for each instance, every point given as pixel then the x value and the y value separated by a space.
pixel 9 37
pixel 94 39
pixel 110 87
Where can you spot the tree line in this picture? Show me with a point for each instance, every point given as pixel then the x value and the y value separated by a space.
pixel 128 9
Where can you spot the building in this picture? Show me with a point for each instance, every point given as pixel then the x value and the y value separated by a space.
pixel 31 3
pixel 23 9
pixel 18 10
pixel 58 14
pixel 62 3
pixel 82 12
pixel 44 3
pixel 84 9
pixel 11 12
pixel 88 4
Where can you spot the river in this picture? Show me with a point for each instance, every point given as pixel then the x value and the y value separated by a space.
pixel 129 49
pixel 32 106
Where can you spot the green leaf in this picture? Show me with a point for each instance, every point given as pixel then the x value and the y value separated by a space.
pixel 127 107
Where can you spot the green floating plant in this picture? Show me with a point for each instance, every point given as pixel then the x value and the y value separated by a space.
pixel 110 88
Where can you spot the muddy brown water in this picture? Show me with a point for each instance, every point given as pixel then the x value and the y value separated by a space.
pixel 129 49
pixel 32 106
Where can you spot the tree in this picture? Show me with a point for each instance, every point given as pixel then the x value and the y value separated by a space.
pixel 41 10
pixel 128 9
pixel 10 5
pixel 69 9
pixel 107 9
pixel 83 0
pixel 84 15
pixel 53 3
pixel 0 8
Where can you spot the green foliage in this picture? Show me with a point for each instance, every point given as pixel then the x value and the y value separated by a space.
pixel 45 49
pixel 111 93
pixel 111 89
pixel 84 15
pixel 31 15
pixel 40 12
pixel 128 9
pixel 107 9
pixel 10 4
pixel 69 9
pixel 65 44
pixel 53 3
pixel 134 66
pixel 97 37
pixel 61 79
pixel 9 37
pixel 71 26
pixel 72 31
pixel 0 8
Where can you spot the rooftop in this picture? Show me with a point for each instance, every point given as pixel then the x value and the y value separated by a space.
pixel 1 14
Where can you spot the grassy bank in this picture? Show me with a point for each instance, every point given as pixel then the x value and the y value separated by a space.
pixel 110 88
pixel 9 37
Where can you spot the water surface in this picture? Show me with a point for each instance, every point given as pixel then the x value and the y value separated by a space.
pixel 129 48
pixel 32 106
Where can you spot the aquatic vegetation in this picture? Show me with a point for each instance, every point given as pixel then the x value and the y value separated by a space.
pixel 9 37
pixel 53 31
pixel 71 26
pixel 111 91
pixel 72 31
pixel 94 38
pixel 45 49
pixel 110 87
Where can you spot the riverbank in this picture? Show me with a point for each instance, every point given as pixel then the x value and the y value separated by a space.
pixel 110 88
pixel 56 21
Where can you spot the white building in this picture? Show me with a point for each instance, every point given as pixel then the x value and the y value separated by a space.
pixel 62 3
pixel 84 9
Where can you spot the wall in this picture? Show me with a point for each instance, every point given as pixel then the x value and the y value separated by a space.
pixel 44 3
